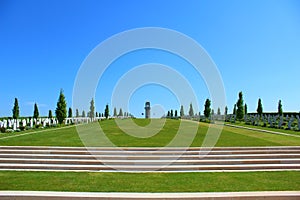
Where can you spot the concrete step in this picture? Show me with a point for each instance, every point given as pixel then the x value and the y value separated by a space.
pixel 148 162
pixel 139 168
pixel 149 159
pixel 146 153
pixel 35 195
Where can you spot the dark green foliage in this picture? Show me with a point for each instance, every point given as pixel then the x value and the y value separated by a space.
pixel 212 112
pixel 16 109
pixel 77 113
pixel 259 107
pixel 106 111
pixel 226 110
pixel 50 114
pixel 191 111
pixel 234 109
pixel 181 111
pixel 115 112
pixel 219 111
pixel 240 107
pixel 92 109
pixel 35 111
pixel 246 109
pixel 70 114
pixel 120 112
pixel 176 113
pixel 83 113
pixel 172 113
pixel 207 108
pixel 97 114
pixel 61 108
pixel 280 112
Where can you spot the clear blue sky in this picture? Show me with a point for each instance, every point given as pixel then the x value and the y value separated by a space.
pixel 255 45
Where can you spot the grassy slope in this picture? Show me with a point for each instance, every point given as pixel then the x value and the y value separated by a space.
pixel 229 137
pixel 153 182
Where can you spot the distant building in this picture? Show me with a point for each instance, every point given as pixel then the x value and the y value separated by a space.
pixel 147 110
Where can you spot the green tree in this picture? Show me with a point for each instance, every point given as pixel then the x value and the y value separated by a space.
pixel 207 109
pixel 191 111
pixel 83 113
pixel 246 109
pixel 77 113
pixel 181 111
pixel 219 111
pixel 120 112
pixel 50 116
pixel 70 112
pixel 92 109
pixel 61 108
pixel 16 109
pixel 96 114
pixel 172 113
pixel 35 111
pixel 212 112
pixel 176 115
pixel 115 112
pixel 234 109
pixel 240 107
pixel 259 107
pixel 280 112
pixel 106 111
pixel 226 111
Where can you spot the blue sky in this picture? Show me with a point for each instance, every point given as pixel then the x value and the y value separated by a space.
pixel 255 45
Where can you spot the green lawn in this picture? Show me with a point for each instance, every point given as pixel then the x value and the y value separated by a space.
pixel 68 136
pixel 150 182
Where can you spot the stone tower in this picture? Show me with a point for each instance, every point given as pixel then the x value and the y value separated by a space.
pixel 147 110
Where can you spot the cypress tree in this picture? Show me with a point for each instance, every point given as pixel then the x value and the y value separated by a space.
pixel 50 114
pixel 176 113
pixel 226 111
pixel 70 113
pixel 83 113
pixel 280 112
pixel 240 107
pixel 61 108
pixel 115 112
pixel 207 109
pixel 246 109
pixel 259 107
pixel 191 111
pixel 234 109
pixel 181 111
pixel 219 111
pixel 92 109
pixel 77 113
pixel 35 111
pixel 106 111
pixel 16 109
pixel 121 112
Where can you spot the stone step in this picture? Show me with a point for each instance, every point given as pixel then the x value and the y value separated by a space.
pixel 148 162
pixel 137 168
pixel 151 157
pixel 149 148
pixel 146 153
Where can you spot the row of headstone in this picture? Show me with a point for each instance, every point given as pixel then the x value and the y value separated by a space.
pixel 274 121
pixel 26 123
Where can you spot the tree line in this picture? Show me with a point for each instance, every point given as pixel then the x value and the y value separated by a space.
pixel 61 112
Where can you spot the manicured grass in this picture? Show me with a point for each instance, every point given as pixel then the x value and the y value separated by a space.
pixel 150 182
pixel 68 136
